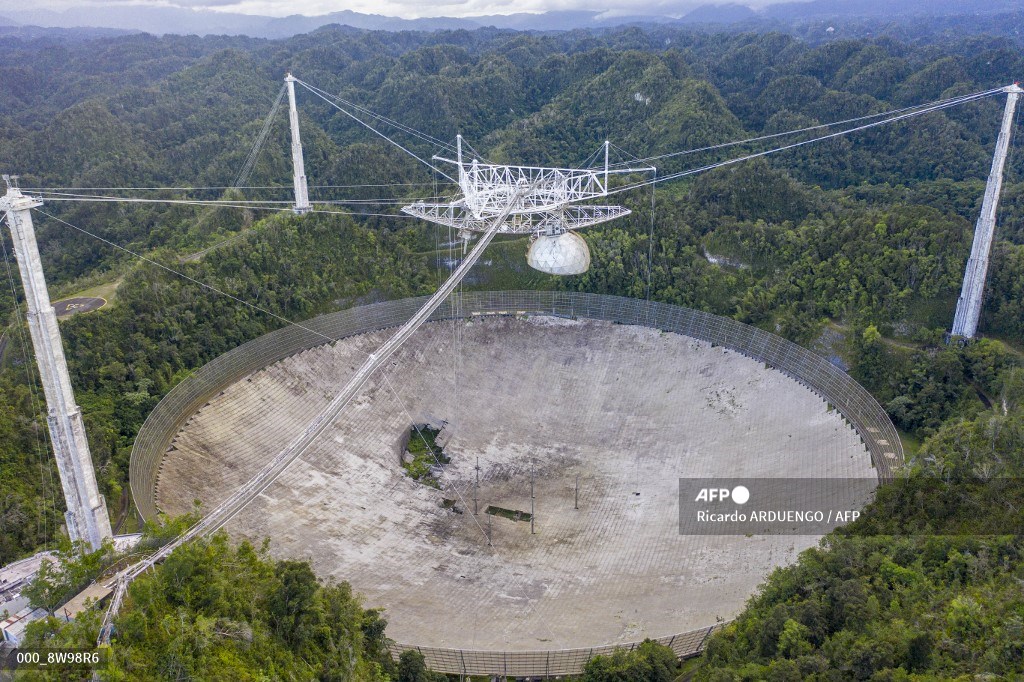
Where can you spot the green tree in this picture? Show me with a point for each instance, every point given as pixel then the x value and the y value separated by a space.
pixel 214 611
pixel 413 668
pixel 649 662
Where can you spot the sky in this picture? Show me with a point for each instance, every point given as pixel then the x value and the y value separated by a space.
pixel 411 9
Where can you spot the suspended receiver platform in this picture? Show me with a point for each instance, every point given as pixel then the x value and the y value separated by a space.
pixel 536 200
pixel 489 189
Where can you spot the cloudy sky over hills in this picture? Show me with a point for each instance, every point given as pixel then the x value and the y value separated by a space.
pixel 278 18
pixel 414 9
pixel 408 9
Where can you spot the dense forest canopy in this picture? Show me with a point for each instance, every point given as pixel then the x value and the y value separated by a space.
pixel 217 612
pixel 854 247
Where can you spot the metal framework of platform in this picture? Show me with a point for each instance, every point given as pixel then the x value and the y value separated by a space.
pixel 537 200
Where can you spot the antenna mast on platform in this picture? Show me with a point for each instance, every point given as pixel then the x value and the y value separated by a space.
pixel 968 307
pixel 86 516
pixel 298 166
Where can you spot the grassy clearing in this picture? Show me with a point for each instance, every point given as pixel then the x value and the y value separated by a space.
pixel 911 443
pixel 105 290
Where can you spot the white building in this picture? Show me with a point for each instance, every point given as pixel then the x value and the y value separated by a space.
pixel 13 628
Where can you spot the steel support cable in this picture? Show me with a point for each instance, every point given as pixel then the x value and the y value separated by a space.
pixel 221 187
pixel 476 154
pixel 391 184
pixel 951 101
pixel 774 150
pixel 380 117
pixel 325 97
pixel 235 203
pixel 629 159
pixel 930 109
pixel 30 370
pixel 246 232
pixel 913 111
pixel 261 137
pixel 184 276
pixel 402 127
pixel 374 130
pixel 186 202
pixel 227 510
pixel 590 159
pixel 650 242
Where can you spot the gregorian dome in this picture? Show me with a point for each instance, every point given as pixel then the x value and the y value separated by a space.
pixel 559 254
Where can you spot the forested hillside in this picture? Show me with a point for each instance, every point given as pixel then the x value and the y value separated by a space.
pixel 854 247
pixel 231 613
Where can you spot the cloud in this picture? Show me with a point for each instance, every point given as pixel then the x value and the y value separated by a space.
pixel 406 9
pixel 182 4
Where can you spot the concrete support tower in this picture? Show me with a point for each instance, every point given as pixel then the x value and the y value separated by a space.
pixel 86 516
pixel 968 307
pixel 298 166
